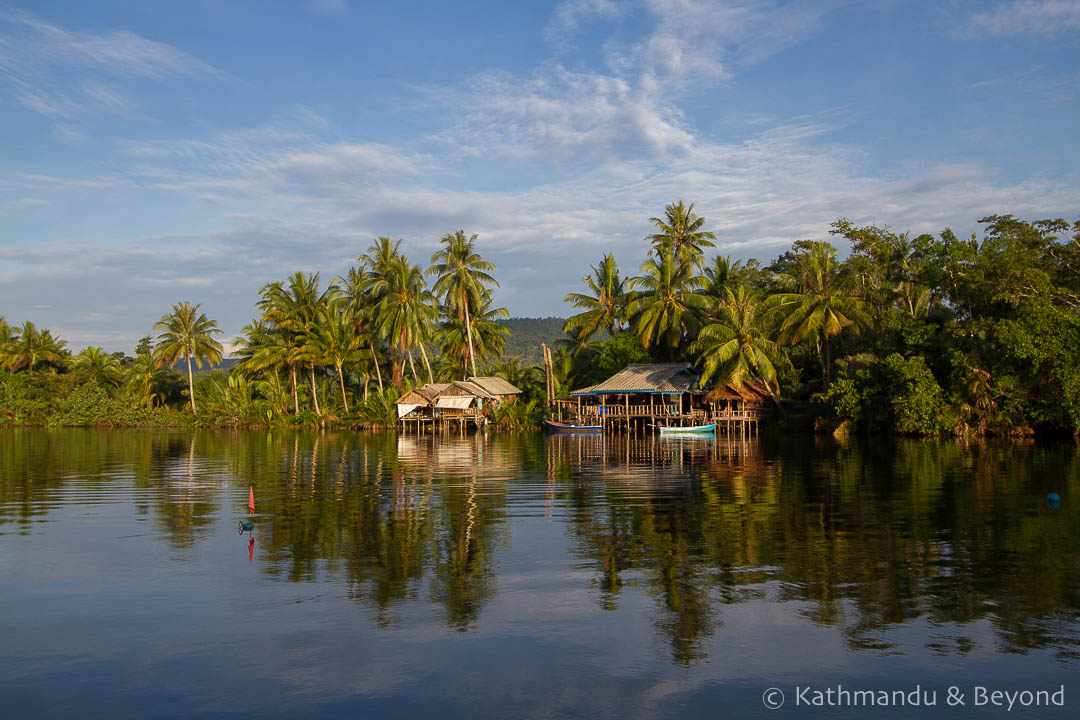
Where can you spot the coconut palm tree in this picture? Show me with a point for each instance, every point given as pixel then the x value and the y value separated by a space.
pixel 32 347
pixel 142 378
pixel 734 347
pixel 405 312
pixel 98 364
pixel 819 304
pixel 336 344
pixel 665 306
pixel 604 307
pixel 186 333
pixel 718 277
pixel 464 281
pixel 7 338
pixel 292 308
pixel 262 348
pixel 681 228
pixel 361 305
pixel 488 337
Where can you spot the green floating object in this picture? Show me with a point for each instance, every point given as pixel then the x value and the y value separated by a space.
pixel 246 526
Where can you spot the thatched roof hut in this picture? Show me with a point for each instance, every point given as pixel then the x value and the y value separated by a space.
pixel 751 394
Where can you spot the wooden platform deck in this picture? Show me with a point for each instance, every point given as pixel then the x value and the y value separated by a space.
pixel 625 418
pixel 456 422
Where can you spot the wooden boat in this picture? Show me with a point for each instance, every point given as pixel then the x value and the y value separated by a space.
pixel 570 427
pixel 688 430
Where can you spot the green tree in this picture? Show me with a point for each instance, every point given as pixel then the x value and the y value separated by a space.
pixel 488 337
pixel 665 307
pixel 681 228
pixel 819 303
pixel 186 333
pixel 361 306
pixel 94 362
pixel 603 307
pixel 463 281
pixel 734 346
pixel 405 312
pixel 336 344
pixel 292 307
pixel 143 377
pixel 31 347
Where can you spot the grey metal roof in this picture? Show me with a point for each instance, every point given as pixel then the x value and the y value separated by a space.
pixel 465 387
pixel 425 392
pixel 653 378
pixel 495 385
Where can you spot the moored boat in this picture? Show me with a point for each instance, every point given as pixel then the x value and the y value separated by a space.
pixel 570 427
pixel 687 430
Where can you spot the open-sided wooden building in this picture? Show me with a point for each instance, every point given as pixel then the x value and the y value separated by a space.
pixel 640 396
pixel 458 404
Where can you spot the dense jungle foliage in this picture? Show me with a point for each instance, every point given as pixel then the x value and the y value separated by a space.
pixel 926 335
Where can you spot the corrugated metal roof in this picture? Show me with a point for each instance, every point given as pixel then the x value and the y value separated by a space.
pixel 422 395
pixel 464 387
pixel 495 385
pixel 653 378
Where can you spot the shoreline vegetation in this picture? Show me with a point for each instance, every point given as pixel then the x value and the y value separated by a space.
pixel 931 335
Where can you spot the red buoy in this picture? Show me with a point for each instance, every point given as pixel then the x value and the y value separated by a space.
pixel 251 500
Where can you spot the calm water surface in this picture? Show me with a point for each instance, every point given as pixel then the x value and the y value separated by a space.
pixel 528 576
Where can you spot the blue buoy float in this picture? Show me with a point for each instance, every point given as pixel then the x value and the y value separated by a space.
pixel 245 526
pixel 1053 501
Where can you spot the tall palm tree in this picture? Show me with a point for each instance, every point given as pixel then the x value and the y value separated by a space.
pixel 336 344
pixel 719 276
pixel 263 347
pixel 733 347
pixel 464 281
pixel 293 308
pixel 681 228
pixel 32 347
pixel 98 364
pixel 604 308
pixel 361 305
pixel 819 304
pixel 187 333
pixel 666 307
pixel 488 337
pixel 380 256
pixel 405 311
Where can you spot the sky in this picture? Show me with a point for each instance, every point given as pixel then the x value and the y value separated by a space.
pixel 154 153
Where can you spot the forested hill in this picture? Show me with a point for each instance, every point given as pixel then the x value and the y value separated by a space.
pixel 526 334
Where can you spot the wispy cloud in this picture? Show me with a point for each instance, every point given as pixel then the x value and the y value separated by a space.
pixel 1051 18
pixel 63 74
pixel 120 53
pixel 570 14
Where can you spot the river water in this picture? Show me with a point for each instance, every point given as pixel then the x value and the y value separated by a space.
pixel 532 576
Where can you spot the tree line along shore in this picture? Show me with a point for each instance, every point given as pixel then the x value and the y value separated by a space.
pixel 919 335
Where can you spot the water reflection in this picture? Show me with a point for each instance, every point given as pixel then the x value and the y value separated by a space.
pixel 864 538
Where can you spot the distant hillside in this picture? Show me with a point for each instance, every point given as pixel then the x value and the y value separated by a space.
pixel 526 334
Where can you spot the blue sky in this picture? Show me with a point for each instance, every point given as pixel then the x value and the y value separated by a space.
pixel 158 152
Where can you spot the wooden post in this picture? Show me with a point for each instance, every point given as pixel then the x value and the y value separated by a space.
pixel 547 375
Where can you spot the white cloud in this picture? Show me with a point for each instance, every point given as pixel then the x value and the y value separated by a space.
pixel 611 148
pixel 1030 17
pixel 63 74
pixel 120 52
pixel 570 14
